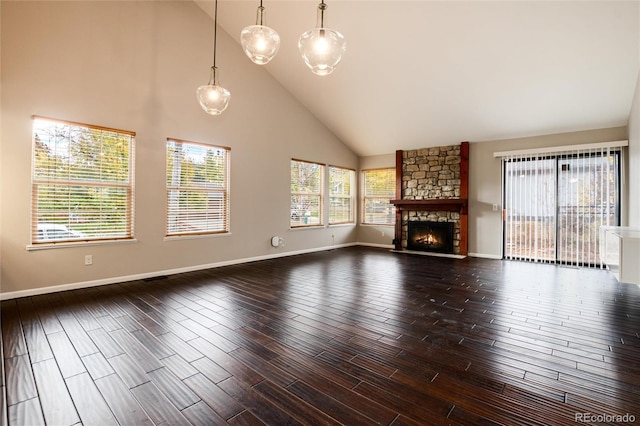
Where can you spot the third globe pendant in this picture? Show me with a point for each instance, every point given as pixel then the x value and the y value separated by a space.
pixel 259 42
pixel 322 48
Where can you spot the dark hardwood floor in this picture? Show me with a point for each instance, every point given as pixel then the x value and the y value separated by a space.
pixel 352 336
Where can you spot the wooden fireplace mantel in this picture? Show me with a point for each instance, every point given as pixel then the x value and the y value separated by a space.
pixel 449 204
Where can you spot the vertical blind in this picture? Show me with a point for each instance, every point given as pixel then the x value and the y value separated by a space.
pixel 197 188
pixel 82 182
pixel 556 202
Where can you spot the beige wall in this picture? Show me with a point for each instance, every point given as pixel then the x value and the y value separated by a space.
pixel 634 160
pixel 135 66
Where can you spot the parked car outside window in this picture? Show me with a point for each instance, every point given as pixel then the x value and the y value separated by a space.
pixel 56 231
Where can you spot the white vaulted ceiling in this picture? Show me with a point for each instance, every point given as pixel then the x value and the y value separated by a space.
pixel 425 73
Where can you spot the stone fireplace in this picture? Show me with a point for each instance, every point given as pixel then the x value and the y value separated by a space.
pixel 432 186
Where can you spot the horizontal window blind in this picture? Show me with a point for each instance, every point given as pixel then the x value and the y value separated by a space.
pixel 82 182
pixel 378 188
pixel 197 188
pixel 555 204
pixel 306 193
pixel 341 187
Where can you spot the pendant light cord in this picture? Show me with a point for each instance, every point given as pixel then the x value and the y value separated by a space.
pixel 322 7
pixel 215 30
pixel 259 18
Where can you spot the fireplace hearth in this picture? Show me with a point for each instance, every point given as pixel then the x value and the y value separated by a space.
pixel 436 237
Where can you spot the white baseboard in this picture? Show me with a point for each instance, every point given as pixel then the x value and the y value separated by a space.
pixel 485 256
pixel 125 278
pixel 384 246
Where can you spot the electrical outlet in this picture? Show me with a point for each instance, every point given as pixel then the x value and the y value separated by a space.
pixel 88 260
pixel 494 207
pixel 382 233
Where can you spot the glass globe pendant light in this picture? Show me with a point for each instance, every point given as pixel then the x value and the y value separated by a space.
pixel 322 48
pixel 260 43
pixel 213 98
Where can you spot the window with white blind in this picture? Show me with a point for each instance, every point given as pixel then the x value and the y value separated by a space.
pixel 378 188
pixel 341 198
pixel 197 188
pixel 556 202
pixel 306 193
pixel 82 182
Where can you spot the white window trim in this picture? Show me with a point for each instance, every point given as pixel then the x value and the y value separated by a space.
pixel 559 149
pixel 44 245
pixel 70 244
pixel 226 191
pixel 322 209
pixel 353 196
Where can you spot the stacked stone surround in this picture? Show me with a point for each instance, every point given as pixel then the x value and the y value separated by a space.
pixel 432 174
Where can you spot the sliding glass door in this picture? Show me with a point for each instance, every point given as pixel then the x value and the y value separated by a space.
pixel 530 206
pixel 555 205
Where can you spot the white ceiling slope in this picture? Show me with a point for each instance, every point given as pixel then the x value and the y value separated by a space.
pixel 427 73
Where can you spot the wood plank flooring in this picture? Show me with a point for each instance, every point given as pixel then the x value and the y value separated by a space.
pixel 354 336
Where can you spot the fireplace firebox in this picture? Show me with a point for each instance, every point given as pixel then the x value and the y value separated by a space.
pixel 434 237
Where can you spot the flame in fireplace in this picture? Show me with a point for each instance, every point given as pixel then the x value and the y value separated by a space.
pixel 428 239
pixel 430 236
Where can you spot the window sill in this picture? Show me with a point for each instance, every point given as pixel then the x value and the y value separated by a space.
pixel 50 246
pixel 302 228
pixel 195 236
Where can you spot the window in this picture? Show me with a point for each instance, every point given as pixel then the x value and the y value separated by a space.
pixel 197 188
pixel 555 204
pixel 379 187
pixel 341 184
pixel 306 193
pixel 82 182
